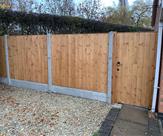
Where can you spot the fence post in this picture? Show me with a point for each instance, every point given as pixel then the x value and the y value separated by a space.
pixel 7 59
pixel 49 48
pixel 110 52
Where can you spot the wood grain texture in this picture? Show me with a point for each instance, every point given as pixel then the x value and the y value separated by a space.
pixel 28 58
pixel 133 78
pixel 80 61
pixel 2 58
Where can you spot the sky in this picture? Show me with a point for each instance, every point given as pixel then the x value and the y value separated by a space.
pixel 110 2
pixel 106 3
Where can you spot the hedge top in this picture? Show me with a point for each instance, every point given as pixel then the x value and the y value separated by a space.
pixel 14 22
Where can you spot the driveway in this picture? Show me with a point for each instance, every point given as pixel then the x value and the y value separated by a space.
pixel 33 113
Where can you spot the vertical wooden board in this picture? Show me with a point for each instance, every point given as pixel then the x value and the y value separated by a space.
pixel 2 58
pixel 36 57
pixel 117 74
pixel 80 61
pixel 129 85
pixel 125 68
pixel 20 59
pixel 64 66
pixel 101 61
pixel 139 63
pixel 143 68
pixel 120 74
pixel 135 67
pixel 130 69
pixel 95 63
pixel 28 58
pixel 114 73
pixel 146 66
pixel 152 43
pixel 23 58
pixel 153 49
pixel 85 62
pixel 71 61
pixel 13 59
pixel 133 84
pixel 33 59
pixel 43 61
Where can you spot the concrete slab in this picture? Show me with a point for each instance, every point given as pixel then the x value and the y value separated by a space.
pixel 134 114
pixel 153 127
pixel 131 121
pixel 125 128
pixel 135 121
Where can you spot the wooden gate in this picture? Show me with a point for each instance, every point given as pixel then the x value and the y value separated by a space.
pixel 133 68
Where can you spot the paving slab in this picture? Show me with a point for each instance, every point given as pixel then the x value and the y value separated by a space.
pixel 153 127
pixel 131 121
pixel 126 128
pixel 134 114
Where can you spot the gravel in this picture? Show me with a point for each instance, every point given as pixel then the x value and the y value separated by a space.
pixel 25 112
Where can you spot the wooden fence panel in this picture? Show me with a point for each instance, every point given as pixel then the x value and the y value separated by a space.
pixel 2 58
pixel 80 61
pixel 28 58
pixel 133 68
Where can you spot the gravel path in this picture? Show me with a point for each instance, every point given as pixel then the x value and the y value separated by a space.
pixel 31 113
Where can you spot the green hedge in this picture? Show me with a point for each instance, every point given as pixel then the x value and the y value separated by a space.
pixel 13 22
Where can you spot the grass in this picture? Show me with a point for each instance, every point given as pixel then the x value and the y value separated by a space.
pixel 96 133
